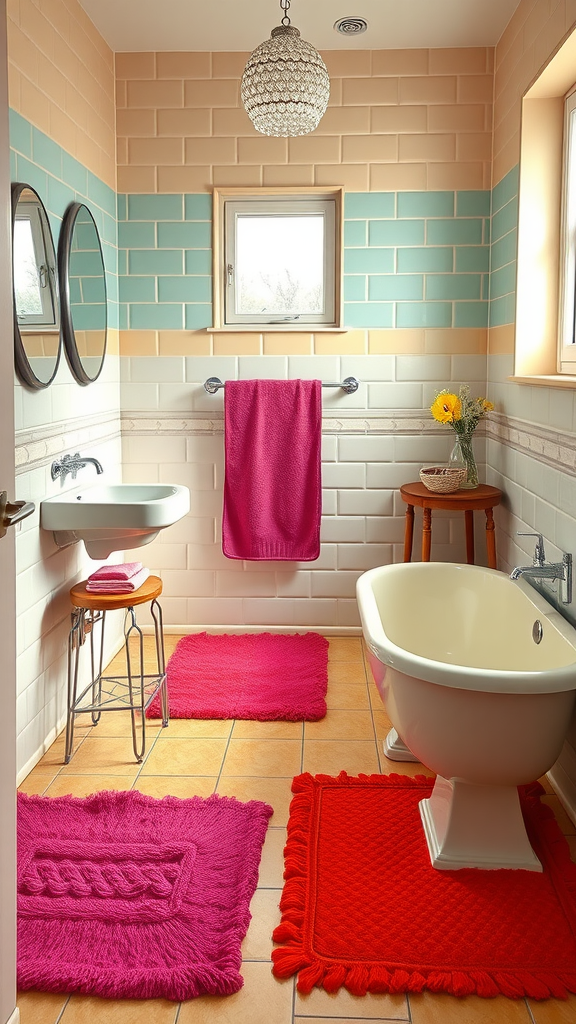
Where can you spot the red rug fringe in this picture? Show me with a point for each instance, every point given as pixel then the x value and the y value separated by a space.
pixel 360 978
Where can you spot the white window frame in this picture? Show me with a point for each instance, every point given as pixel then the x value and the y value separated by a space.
pixel 567 311
pixel 32 214
pixel 231 203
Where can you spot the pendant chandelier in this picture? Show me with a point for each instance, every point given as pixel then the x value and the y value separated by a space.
pixel 285 85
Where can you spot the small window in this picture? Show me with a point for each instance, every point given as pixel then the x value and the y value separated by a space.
pixel 34 289
pixel 278 260
pixel 567 318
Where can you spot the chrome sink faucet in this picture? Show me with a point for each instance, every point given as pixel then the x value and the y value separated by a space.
pixel 542 570
pixel 71 464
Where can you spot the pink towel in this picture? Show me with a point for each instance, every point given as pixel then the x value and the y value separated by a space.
pixel 117 586
pixel 272 489
pixel 116 572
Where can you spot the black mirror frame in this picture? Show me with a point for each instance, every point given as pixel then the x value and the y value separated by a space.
pixel 22 364
pixel 64 247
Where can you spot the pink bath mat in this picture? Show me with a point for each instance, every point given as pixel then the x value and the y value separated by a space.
pixel 125 896
pixel 263 676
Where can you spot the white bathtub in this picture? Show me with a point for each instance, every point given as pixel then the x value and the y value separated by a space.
pixel 468 689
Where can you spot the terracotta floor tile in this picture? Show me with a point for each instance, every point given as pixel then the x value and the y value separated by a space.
pixel 109 755
pixel 54 756
pixel 170 785
pixel 551 1011
pixel 348 695
pixel 258 943
pixel 40 1007
pixel 429 1008
pixel 381 722
pixel 278 758
pixel 275 792
pixel 342 1004
pixel 36 782
pixel 91 1010
pixel 191 728
pixel 340 725
pixel 85 785
pixel 271 871
pixel 332 757
pixel 185 757
pixel 118 723
pixel 262 1000
pixel 411 768
pixel 346 672
pixel 344 648
pixel 267 730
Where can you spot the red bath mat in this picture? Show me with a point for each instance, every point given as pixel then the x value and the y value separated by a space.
pixel 125 896
pixel 363 907
pixel 264 676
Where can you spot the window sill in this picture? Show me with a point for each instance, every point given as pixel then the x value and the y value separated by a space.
pixel 547 380
pixel 281 328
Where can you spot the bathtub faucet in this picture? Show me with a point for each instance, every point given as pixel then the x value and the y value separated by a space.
pixel 541 570
pixel 71 464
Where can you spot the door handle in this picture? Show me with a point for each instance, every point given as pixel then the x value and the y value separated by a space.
pixel 12 512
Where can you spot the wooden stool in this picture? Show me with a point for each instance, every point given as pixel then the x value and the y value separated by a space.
pixel 483 497
pixel 132 692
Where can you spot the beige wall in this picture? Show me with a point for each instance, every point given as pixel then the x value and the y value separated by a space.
pixel 397 120
pixel 533 34
pixel 61 79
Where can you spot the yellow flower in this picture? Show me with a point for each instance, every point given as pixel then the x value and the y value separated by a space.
pixel 446 408
pixel 487 406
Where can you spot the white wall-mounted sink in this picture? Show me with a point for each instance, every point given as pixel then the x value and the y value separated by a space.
pixel 116 517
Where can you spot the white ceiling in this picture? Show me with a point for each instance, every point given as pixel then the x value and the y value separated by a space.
pixel 243 24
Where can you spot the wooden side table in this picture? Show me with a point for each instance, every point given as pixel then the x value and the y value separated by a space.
pixel 483 497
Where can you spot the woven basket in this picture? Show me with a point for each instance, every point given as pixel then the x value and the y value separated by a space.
pixel 442 479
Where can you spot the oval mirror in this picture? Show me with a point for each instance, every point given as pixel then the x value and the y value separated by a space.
pixel 83 293
pixel 37 341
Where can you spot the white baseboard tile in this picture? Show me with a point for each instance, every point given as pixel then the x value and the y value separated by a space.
pixel 184 630
pixel 562 775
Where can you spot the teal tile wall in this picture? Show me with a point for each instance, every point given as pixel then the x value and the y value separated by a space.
pixel 411 259
pixel 165 261
pixel 59 180
pixel 503 249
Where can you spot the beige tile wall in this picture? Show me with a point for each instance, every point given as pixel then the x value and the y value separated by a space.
pixel 61 79
pixel 397 120
pixel 449 341
pixel 533 34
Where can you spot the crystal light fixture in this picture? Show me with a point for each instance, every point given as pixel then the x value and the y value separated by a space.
pixel 285 85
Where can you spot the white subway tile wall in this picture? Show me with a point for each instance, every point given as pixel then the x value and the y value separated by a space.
pixel 362 524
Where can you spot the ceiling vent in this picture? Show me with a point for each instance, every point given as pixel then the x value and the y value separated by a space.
pixel 351 26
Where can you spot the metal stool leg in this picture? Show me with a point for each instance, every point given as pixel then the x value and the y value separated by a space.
pixel 97 676
pixel 74 644
pixel 156 612
pixel 138 751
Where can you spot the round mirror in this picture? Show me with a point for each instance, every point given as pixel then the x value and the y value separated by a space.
pixel 83 288
pixel 37 342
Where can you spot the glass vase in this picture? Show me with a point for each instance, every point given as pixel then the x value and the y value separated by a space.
pixel 462 456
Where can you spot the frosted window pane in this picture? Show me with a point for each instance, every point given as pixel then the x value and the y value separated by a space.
pixel 280 265
pixel 26 279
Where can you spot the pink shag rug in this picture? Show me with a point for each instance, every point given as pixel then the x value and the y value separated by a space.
pixel 125 896
pixel 263 676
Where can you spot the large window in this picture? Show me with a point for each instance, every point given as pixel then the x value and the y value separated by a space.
pixel 277 259
pixel 567 318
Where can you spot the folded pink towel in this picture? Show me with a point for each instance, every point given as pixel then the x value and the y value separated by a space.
pixel 116 572
pixel 117 586
pixel 272 487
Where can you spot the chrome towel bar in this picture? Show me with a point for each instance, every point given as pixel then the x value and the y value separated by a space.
pixel 349 385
